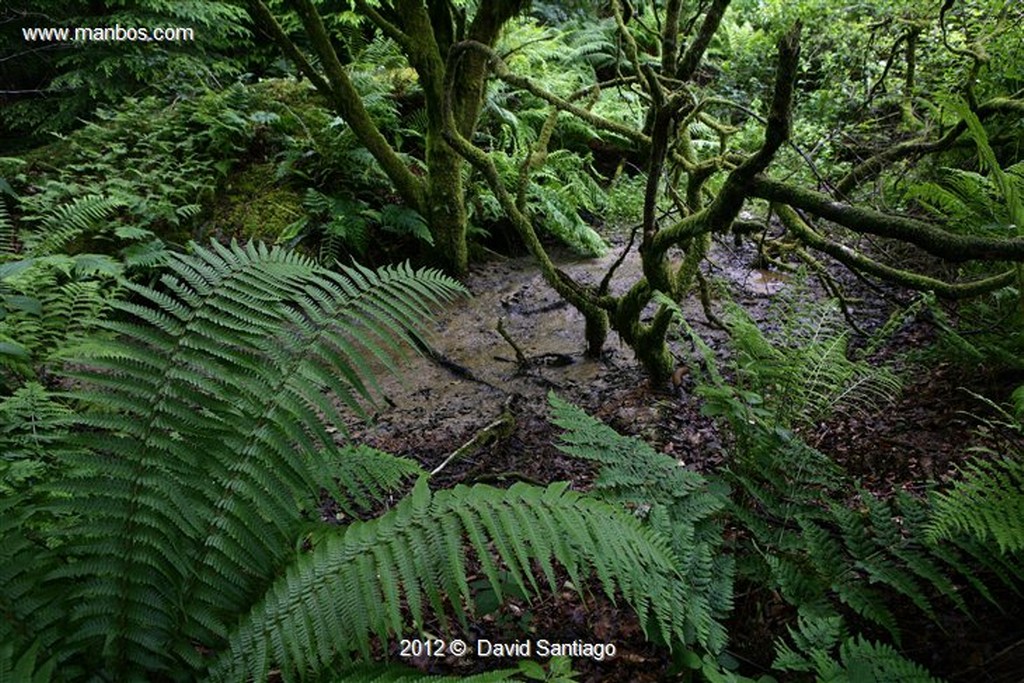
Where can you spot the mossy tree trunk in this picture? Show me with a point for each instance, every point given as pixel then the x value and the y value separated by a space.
pixel 424 30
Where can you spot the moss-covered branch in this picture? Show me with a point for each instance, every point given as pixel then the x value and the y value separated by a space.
pixel 501 70
pixel 929 237
pixel 380 21
pixel 339 90
pixel 872 166
pixel 570 290
pixel 691 59
pixel 861 263
pixel 720 214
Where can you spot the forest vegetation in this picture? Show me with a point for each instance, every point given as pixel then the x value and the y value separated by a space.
pixel 215 251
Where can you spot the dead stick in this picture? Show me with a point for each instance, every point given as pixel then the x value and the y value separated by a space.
pixel 499 429
pixel 521 360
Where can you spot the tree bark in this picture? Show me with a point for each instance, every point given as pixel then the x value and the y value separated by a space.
pixel 424 29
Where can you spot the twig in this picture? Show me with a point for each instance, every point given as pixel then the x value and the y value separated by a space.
pixel 521 359
pixel 495 431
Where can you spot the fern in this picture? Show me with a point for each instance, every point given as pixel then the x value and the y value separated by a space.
pixel 302 625
pixel 857 659
pixel 402 220
pixel 7 232
pixel 675 501
pixel 69 222
pixel 185 543
pixel 803 370
pixel 229 361
pixel 987 503
pixel 31 420
pixel 50 303
pixel 25 669
pixel 823 556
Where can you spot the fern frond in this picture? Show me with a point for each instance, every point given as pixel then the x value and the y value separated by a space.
pixel 679 503
pixel 353 584
pixel 803 371
pixel 206 437
pixel 8 235
pixel 860 656
pixel 366 475
pixel 68 222
pixel 857 659
pixel 988 503
pixel 29 615
pixel 25 669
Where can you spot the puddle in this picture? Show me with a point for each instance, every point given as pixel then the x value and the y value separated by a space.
pixel 430 411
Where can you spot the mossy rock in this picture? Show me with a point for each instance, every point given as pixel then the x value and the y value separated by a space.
pixel 254 205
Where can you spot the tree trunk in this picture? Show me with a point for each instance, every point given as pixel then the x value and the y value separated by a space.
pixel 446 207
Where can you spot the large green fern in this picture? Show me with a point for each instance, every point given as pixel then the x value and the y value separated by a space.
pixel 802 368
pixel 185 539
pixel 355 583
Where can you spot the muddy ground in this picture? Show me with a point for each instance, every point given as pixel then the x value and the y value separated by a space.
pixel 435 405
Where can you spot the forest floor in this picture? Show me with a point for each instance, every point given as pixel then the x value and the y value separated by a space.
pixel 435 405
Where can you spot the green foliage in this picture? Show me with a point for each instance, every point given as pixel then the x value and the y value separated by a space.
pixel 675 501
pixel 31 422
pixel 183 515
pixel 801 370
pixel 822 556
pixel 25 669
pixel 94 73
pixel 48 304
pixel 344 226
pixel 556 194
pixel 857 659
pixel 157 165
pixel 990 202
pixel 55 232
pixel 819 553
pixel 988 501
pixel 624 202
pixel 419 547
pixel 823 552
pixel 989 330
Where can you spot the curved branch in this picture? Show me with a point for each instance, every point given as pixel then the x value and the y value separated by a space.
pixel 341 93
pixel 720 214
pixel 263 17
pixel 502 71
pixel 927 236
pixel 691 59
pixel 871 167
pixel 857 261
pixel 573 292
pixel 386 27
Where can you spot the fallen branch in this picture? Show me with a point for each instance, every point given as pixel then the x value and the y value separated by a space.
pixel 500 429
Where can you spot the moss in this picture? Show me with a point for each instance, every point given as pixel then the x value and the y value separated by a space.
pixel 253 205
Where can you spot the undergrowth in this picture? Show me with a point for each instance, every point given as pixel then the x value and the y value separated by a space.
pixel 789 525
